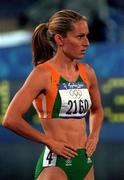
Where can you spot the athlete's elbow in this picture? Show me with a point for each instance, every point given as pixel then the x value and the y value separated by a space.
pixel 7 122
pixel 98 112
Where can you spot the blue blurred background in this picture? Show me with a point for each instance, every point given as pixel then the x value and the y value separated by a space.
pixel 18 156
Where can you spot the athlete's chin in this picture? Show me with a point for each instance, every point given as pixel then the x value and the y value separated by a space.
pixel 80 56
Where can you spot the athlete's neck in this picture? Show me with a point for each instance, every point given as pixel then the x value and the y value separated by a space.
pixel 64 65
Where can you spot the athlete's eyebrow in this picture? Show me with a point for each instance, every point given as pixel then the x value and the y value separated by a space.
pixel 82 34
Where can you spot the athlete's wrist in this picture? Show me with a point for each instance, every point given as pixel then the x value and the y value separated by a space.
pixel 46 140
pixel 94 136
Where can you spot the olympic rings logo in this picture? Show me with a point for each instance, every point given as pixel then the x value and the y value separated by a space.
pixel 75 93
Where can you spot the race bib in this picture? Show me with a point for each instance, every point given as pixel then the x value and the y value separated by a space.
pixel 75 99
pixel 49 158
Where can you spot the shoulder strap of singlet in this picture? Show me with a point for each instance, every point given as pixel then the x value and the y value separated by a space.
pixel 82 71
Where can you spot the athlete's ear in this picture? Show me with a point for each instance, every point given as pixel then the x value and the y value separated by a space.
pixel 58 39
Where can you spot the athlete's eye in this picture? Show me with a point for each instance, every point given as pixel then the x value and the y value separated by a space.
pixel 81 36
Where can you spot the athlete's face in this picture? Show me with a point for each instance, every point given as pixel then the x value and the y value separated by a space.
pixel 76 41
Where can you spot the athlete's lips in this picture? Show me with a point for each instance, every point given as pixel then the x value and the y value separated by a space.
pixel 83 51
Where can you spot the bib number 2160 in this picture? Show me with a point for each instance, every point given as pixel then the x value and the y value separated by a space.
pixel 80 106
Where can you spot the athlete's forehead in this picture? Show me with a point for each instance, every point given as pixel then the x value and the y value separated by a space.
pixel 80 28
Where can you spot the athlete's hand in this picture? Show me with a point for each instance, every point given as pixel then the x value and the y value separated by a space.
pixel 62 149
pixel 91 144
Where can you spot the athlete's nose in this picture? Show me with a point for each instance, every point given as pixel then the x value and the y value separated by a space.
pixel 86 41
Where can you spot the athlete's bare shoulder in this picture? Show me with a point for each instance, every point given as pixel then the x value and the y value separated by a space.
pixel 39 77
pixel 42 71
pixel 90 74
pixel 88 68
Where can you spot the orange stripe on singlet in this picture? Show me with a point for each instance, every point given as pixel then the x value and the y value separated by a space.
pixel 50 96
pixel 52 93
pixel 82 72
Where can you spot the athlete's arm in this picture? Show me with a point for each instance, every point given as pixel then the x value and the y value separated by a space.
pixel 96 113
pixel 20 104
pixel 37 81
